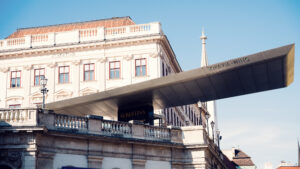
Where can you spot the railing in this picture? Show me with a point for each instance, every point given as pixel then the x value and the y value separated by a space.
pixel 18 117
pixel 81 35
pixel 157 132
pixel 70 122
pixel 116 128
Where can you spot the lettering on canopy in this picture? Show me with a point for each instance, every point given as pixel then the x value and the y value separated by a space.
pixel 229 63
pixel 140 113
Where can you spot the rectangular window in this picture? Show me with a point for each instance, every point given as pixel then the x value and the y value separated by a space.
pixel 64 74
pixel 14 106
pixel 140 67
pixel 114 70
pixel 89 72
pixel 15 80
pixel 39 74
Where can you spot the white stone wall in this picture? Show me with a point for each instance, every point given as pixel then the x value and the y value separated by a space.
pixel 116 163
pixel 61 160
pixel 150 164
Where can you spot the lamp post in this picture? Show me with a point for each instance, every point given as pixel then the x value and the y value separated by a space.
pixel 44 90
pixel 207 117
pixel 212 123
pixel 219 137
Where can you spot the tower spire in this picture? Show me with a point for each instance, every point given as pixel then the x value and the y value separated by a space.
pixel 203 54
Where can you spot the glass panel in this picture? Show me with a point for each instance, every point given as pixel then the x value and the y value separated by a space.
pixel 117 73
pixel 37 72
pixel 137 71
pixel 19 74
pixel 67 78
pixel 111 65
pixel 36 80
pixel 13 82
pixel 143 61
pixel 66 69
pixel 92 75
pixel 61 70
pixel 42 72
pixel 117 64
pixel 13 74
pixel 143 70
pixel 18 82
pixel 92 66
pixel 61 78
pixel 111 74
pixel 86 76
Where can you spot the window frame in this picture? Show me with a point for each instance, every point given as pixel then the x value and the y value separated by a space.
pixel 11 78
pixel 39 69
pixel 141 72
pixel 14 106
pixel 110 69
pixel 64 81
pixel 84 70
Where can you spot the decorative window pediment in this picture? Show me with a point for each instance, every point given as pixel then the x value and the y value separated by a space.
pixel 63 94
pixel 87 91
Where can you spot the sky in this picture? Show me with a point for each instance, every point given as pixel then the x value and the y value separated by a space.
pixel 265 125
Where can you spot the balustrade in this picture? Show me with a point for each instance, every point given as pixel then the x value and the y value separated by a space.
pixel 157 132
pixel 51 39
pixel 18 117
pixel 70 122
pixel 116 128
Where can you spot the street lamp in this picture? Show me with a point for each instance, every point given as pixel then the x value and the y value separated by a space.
pixel 44 90
pixel 212 123
pixel 219 137
pixel 207 117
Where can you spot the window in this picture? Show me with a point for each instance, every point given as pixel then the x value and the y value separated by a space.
pixel 114 70
pixel 140 67
pixel 15 80
pixel 64 74
pixel 89 72
pixel 39 74
pixel 14 106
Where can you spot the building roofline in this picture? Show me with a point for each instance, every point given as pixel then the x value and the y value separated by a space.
pixel 71 23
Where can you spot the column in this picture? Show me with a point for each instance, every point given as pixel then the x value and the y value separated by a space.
pixel 101 76
pixel 76 77
pixel 27 87
pixel 50 75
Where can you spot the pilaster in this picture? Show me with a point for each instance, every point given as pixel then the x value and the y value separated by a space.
pixel 138 164
pixel 95 162
pixel 45 160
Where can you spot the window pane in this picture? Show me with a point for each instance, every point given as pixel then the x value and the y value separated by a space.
pixel 143 62
pixel 61 78
pixel 67 78
pixel 86 75
pixel 18 82
pixel 42 72
pixel 92 67
pixel 92 75
pixel 111 74
pixel 117 64
pixel 137 71
pixel 143 70
pixel 13 82
pixel 19 74
pixel 61 70
pixel 36 80
pixel 13 74
pixel 117 74
pixel 66 69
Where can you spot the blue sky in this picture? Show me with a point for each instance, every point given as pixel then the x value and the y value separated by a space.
pixel 265 125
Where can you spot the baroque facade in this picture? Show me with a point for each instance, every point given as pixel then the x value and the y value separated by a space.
pixel 84 58
pixel 79 59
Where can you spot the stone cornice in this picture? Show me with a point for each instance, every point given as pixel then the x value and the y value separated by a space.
pixel 70 50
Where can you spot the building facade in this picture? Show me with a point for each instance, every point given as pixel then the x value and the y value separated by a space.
pixel 83 58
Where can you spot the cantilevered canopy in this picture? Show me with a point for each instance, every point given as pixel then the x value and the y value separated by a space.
pixel 262 71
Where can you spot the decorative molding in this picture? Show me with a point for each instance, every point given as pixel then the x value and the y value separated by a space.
pixel 27 67
pixel 87 91
pixel 128 57
pixel 52 65
pixel 14 98
pixel 4 69
pixel 154 55
pixel 76 62
pixel 11 158
pixel 102 59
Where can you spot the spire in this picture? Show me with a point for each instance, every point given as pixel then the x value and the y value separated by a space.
pixel 203 54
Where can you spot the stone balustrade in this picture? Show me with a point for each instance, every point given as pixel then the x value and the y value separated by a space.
pixel 81 35
pixel 18 117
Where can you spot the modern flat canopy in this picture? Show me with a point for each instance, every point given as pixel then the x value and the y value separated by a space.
pixel 254 73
